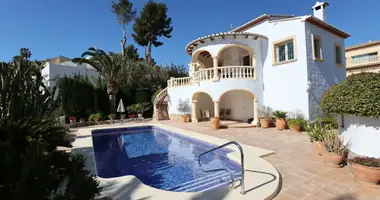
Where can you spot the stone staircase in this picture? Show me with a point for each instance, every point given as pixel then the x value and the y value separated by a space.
pixel 161 106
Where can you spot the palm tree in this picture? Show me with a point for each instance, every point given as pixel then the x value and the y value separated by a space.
pixel 109 67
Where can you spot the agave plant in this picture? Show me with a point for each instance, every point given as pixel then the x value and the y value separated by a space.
pixel 279 114
pixel 332 142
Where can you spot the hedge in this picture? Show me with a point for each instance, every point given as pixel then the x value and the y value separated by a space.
pixel 359 95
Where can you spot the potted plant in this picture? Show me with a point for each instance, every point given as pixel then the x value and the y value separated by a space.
pixel 112 116
pixel 141 108
pixel 184 107
pixel 366 170
pixel 265 116
pixel 97 117
pixel 215 122
pixel 297 125
pixel 316 131
pixel 280 119
pixel 123 116
pixel 72 119
pixel 335 150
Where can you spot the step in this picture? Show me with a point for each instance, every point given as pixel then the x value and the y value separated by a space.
pixel 206 182
pixel 213 184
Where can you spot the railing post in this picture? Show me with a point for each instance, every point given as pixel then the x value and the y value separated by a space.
pixel 215 65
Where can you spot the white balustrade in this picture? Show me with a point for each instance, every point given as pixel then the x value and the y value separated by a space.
pixel 363 61
pixel 229 72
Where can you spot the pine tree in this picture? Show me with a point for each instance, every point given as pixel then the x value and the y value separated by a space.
pixel 152 23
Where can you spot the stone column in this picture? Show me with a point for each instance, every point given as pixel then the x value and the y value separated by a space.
pixel 194 112
pixel 255 111
pixel 216 109
pixel 215 62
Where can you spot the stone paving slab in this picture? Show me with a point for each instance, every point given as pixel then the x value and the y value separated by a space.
pixel 304 175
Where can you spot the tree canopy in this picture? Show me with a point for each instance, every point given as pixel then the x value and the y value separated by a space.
pixel 152 24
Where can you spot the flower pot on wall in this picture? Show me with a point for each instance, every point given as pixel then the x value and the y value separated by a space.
pixel 368 176
pixel 280 124
pixel 215 123
pixel 265 123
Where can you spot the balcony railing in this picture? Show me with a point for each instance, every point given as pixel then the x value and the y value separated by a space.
pixel 230 72
pixel 362 61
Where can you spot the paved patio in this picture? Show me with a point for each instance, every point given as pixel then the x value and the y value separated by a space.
pixel 304 175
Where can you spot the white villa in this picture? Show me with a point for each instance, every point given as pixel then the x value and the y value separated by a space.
pixel 63 66
pixel 282 61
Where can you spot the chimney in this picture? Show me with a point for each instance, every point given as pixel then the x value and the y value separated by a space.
pixel 319 10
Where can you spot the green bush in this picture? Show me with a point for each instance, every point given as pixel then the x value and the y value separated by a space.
pixel 358 95
pixel 301 122
pixel 278 114
pixel 112 116
pixel 32 168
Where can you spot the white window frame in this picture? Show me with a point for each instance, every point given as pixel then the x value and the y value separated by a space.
pixel 275 51
pixel 313 38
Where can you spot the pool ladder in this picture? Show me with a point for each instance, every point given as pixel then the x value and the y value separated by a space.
pixel 226 169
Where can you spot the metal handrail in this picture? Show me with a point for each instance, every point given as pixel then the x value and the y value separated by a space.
pixel 241 160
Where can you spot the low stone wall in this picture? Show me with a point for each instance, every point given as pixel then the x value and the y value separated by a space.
pixel 363 134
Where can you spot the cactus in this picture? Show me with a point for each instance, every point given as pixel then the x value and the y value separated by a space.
pixel 22 91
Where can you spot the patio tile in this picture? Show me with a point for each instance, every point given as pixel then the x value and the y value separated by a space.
pixel 296 193
pixel 302 169
pixel 284 196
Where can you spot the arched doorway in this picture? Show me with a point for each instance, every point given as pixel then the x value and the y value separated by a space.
pixel 242 105
pixel 203 106
pixel 236 55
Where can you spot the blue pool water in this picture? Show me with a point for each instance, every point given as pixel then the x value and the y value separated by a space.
pixel 161 159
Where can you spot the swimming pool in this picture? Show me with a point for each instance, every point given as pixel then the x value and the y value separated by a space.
pixel 161 159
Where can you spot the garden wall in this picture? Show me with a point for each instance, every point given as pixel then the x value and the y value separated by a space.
pixel 363 133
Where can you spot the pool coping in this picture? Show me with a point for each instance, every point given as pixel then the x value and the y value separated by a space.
pixel 253 163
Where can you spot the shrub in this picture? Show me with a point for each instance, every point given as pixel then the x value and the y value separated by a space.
pixel 112 116
pixel 32 168
pixel 280 114
pixel 91 117
pixel 316 131
pixel 366 161
pixel 265 112
pixel 358 95
pixel 333 143
pixel 301 122
pixel 184 106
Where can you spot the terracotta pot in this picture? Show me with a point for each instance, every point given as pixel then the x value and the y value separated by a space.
pixel 215 123
pixel 297 128
pixel 368 176
pixel 318 146
pixel 264 123
pixel 184 118
pixel 97 119
pixel 280 124
pixel 333 159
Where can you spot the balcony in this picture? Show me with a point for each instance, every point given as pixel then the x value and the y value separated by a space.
pixel 373 60
pixel 225 72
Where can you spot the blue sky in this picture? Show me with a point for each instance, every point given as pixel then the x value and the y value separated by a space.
pixel 51 28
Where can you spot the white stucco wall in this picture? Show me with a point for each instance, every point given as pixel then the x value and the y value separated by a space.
pixel 240 103
pixel 214 89
pixel 205 103
pixel 322 74
pixel 284 85
pixel 52 71
pixel 363 134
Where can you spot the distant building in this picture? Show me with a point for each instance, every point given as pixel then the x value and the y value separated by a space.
pixel 363 58
pixel 61 66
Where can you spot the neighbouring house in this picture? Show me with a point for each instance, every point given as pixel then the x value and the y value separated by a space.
pixel 363 58
pixel 61 66
pixel 283 61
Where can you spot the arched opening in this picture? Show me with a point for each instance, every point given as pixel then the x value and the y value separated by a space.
pixel 242 105
pixel 236 55
pixel 203 106
pixel 202 59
